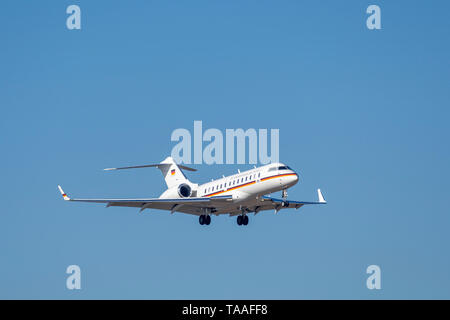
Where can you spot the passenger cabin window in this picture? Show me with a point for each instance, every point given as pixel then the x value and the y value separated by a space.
pixel 273 169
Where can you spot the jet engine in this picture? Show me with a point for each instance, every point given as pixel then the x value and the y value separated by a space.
pixel 184 190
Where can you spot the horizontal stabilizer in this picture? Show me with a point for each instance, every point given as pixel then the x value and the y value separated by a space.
pixel 171 171
pixel 158 165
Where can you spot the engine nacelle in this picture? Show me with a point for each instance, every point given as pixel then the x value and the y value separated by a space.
pixel 184 190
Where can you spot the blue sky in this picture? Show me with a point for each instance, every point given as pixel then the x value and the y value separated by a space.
pixel 362 114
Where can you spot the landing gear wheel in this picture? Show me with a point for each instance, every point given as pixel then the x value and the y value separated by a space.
pixel 242 220
pixel 204 219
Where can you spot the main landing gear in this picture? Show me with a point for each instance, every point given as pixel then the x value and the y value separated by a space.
pixel 204 219
pixel 242 220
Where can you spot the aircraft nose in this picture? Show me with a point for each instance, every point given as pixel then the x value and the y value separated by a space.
pixel 293 179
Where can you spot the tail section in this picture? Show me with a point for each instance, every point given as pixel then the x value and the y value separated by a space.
pixel 171 171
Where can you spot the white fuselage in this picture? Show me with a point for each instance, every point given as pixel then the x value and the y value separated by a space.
pixel 252 183
pixel 245 188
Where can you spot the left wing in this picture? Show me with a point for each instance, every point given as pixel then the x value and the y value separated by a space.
pixel 280 203
pixel 188 205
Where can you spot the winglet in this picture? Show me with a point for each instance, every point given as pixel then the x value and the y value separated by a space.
pixel 65 197
pixel 319 194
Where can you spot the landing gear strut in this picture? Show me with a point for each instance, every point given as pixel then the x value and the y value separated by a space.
pixel 242 220
pixel 284 194
pixel 204 219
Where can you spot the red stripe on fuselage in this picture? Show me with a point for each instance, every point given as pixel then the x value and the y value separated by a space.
pixel 249 183
pixel 279 175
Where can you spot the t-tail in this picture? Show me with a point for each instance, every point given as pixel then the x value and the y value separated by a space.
pixel 172 172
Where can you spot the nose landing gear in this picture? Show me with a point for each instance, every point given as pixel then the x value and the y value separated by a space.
pixel 284 194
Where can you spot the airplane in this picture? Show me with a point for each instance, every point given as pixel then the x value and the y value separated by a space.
pixel 237 195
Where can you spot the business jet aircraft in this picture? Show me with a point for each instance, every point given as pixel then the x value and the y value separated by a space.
pixel 236 195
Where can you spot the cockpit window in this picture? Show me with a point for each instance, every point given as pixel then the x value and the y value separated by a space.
pixel 284 168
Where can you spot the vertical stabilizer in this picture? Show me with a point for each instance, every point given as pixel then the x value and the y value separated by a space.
pixel 172 173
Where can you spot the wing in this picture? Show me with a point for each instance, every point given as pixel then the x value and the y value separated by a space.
pixel 188 205
pixel 269 203
pixel 296 204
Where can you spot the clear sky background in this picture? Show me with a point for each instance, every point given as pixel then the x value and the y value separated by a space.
pixel 362 114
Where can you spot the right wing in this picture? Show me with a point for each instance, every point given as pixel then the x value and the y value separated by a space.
pixel 188 205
